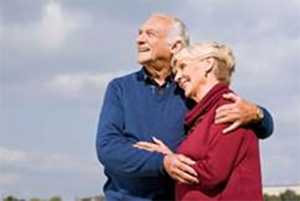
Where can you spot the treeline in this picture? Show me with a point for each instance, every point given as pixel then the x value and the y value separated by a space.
pixel 12 198
pixel 54 198
pixel 288 195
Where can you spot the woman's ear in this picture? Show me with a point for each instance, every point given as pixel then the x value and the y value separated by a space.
pixel 210 63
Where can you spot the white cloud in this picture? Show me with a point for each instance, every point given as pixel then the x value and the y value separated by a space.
pixel 290 113
pixel 54 25
pixel 50 32
pixel 11 156
pixel 263 63
pixel 1 27
pixel 8 179
pixel 277 165
pixel 26 174
pixel 75 84
pixel 12 159
pixel 264 35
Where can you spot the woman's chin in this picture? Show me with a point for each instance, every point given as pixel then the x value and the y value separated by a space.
pixel 187 93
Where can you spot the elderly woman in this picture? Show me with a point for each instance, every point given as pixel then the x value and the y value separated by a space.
pixel 227 166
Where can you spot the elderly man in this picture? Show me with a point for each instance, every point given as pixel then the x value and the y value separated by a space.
pixel 148 104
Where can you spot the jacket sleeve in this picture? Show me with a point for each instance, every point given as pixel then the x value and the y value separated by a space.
pixel 221 154
pixel 114 145
pixel 265 127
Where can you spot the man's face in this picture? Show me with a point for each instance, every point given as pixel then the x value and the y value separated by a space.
pixel 152 43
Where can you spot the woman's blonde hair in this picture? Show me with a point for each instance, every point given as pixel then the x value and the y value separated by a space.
pixel 225 64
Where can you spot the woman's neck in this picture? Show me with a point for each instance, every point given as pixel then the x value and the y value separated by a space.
pixel 203 90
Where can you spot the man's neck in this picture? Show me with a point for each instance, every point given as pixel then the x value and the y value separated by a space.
pixel 159 75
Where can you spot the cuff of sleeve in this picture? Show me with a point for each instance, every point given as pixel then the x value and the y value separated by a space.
pixel 160 162
pixel 264 128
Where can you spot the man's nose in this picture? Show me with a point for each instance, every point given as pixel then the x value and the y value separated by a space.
pixel 140 39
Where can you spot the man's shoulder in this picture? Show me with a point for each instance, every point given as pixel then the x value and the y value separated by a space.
pixel 125 80
pixel 222 100
pixel 127 77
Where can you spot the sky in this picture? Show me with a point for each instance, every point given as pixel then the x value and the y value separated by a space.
pixel 57 56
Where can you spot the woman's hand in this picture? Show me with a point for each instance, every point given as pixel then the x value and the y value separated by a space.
pixel 155 146
pixel 178 166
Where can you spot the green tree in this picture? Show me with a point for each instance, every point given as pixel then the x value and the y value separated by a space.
pixel 271 198
pixel 10 198
pixel 289 195
pixel 55 198
pixel 35 199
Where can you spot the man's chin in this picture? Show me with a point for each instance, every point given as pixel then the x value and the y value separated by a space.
pixel 143 61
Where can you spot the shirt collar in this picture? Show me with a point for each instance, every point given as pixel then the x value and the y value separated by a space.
pixel 143 75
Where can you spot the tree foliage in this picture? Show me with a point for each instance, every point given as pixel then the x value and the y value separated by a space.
pixel 288 195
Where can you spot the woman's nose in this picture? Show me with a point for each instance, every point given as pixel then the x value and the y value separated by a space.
pixel 177 77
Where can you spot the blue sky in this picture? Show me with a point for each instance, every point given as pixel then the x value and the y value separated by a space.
pixel 57 57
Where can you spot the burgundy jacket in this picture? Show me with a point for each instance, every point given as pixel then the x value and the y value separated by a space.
pixel 228 165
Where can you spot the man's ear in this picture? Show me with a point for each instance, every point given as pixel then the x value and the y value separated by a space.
pixel 176 46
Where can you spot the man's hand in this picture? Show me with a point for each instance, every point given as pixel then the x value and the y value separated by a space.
pixel 239 113
pixel 179 168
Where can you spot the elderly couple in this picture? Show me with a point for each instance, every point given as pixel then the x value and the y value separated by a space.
pixel 161 133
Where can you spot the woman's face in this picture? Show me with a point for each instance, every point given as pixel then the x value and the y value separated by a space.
pixel 190 75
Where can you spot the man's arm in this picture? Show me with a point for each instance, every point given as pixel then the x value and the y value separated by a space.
pixel 263 128
pixel 241 113
pixel 115 147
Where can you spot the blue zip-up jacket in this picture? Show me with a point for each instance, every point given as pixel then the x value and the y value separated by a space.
pixel 135 109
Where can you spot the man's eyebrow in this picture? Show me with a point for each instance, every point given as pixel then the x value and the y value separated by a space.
pixel 152 30
pixel 149 29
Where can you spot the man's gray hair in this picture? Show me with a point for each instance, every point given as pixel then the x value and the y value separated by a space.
pixel 178 30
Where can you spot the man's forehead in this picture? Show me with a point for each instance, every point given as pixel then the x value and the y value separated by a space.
pixel 161 22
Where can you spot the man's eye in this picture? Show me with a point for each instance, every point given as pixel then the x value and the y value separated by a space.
pixel 151 33
pixel 182 66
